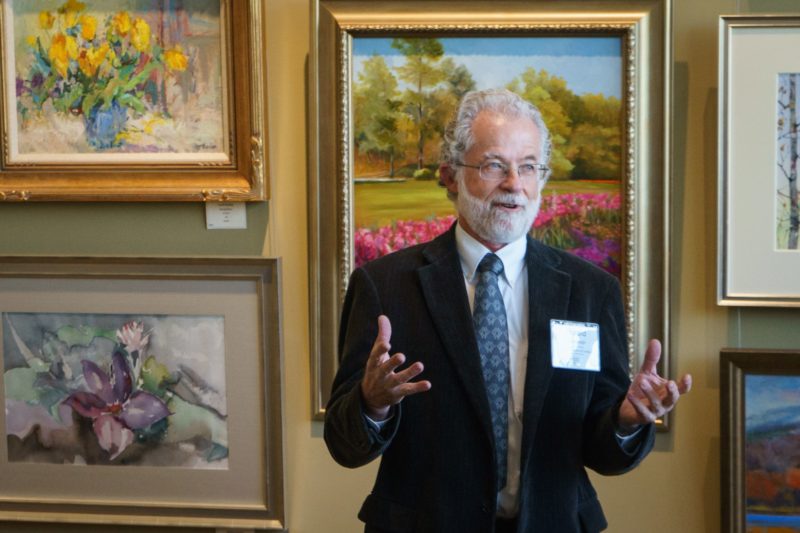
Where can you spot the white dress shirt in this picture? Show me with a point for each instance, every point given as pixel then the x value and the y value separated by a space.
pixel 514 288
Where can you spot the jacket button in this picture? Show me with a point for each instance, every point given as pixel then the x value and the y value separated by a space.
pixel 485 508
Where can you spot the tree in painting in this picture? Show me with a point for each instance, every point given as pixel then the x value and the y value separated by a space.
pixel 788 212
pixel 585 130
pixel 423 98
pixel 377 117
pixel 397 126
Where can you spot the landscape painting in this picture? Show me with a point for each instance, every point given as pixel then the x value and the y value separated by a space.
pixel 772 453
pixel 787 199
pixel 405 89
pixel 115 81
pixel 108 389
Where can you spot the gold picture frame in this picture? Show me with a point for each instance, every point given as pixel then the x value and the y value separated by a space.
pixel 234 482
pixel 156 155
pixel 643 26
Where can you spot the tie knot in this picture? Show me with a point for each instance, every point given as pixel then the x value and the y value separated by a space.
pixel 491 263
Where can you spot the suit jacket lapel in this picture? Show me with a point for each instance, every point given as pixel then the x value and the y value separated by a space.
pixel 442 282
pixel 548 297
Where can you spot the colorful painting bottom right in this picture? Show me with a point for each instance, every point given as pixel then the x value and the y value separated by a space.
pixel 772 453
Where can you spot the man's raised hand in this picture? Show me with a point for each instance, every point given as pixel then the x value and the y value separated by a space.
pixel 382 385
pixel 650 396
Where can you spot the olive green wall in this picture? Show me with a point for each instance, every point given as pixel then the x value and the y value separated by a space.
pixel 676 489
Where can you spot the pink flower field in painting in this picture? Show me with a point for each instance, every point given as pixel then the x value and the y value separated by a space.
pixel 587 225
pixel 372 244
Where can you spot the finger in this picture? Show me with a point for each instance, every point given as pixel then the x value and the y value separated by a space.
pixel 672 396
pixel 388 367
pixel 654 381
pixel 409 389
pixel 384 329
pixel 685 384
pixel 409 373
pixel 646 416
pixel 651 357
pixel 653 397
pixel 381 345
pixel 377 356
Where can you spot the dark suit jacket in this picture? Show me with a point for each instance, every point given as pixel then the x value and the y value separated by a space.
pixel 437 469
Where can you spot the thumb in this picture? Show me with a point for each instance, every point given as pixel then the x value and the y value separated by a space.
pixel 651 357
pixel 384 329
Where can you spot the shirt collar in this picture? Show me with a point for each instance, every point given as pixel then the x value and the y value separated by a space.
pixel 470 251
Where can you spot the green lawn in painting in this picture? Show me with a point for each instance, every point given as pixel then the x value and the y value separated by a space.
pixel 381 203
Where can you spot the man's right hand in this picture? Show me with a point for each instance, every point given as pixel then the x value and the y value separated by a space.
pixel 382 387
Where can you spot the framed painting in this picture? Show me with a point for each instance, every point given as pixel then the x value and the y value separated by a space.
pixel 132 100
pixel 387 75
pixel 145 391
pixel 760 399
pixel 759 213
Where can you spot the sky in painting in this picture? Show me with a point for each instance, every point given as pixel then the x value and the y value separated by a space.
pixel 588 64
pixel 771 398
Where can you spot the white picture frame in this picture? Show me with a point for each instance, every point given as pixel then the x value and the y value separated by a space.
pixel 753 269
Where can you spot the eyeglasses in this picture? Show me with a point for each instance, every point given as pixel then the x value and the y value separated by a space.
pixel 493 170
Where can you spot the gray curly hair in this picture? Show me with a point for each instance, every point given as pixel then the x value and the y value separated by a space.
pixel 458 137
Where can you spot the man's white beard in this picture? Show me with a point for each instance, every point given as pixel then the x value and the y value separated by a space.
pixel 493 224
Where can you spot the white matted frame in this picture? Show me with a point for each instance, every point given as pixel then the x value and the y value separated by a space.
pixel 645 29
pixel 248 493
pixel 752 269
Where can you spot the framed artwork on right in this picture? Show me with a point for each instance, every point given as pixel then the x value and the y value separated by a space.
pixel 759 211
pixel 760 402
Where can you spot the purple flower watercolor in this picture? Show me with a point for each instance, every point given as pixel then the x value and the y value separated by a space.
pixel 116 410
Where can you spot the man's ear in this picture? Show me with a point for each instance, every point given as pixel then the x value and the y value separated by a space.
pixel 447 177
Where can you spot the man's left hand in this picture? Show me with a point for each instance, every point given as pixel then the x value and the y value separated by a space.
pixel 650 396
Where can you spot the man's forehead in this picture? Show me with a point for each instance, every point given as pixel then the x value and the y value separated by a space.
pixel 488 122
pixel 493 131
pixel 503 116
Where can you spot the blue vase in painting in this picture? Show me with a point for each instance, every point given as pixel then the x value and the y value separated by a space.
pixel 104 124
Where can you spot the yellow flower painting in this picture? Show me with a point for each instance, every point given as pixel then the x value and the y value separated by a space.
pixel 119 76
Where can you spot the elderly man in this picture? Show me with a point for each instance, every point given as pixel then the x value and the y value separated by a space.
pixel 520 350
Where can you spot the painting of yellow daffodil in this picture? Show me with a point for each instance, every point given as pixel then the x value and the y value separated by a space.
pixel 115 80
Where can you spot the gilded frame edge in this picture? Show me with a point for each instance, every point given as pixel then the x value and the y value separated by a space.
pixel 266 273
pixel 734 364
pixel 247 179
pixel 727 24
pixel 649 147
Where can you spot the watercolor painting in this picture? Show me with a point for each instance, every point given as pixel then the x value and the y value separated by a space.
pixel 787 202
pixel 405 89
pixel 102 81
pixel 772 453
pixel 107 389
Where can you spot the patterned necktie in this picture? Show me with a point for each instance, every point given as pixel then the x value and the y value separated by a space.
pixel 491 329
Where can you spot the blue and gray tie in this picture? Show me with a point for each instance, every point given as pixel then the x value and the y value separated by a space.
pixel 491 329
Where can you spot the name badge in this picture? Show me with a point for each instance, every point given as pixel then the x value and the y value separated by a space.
pixel 575 345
